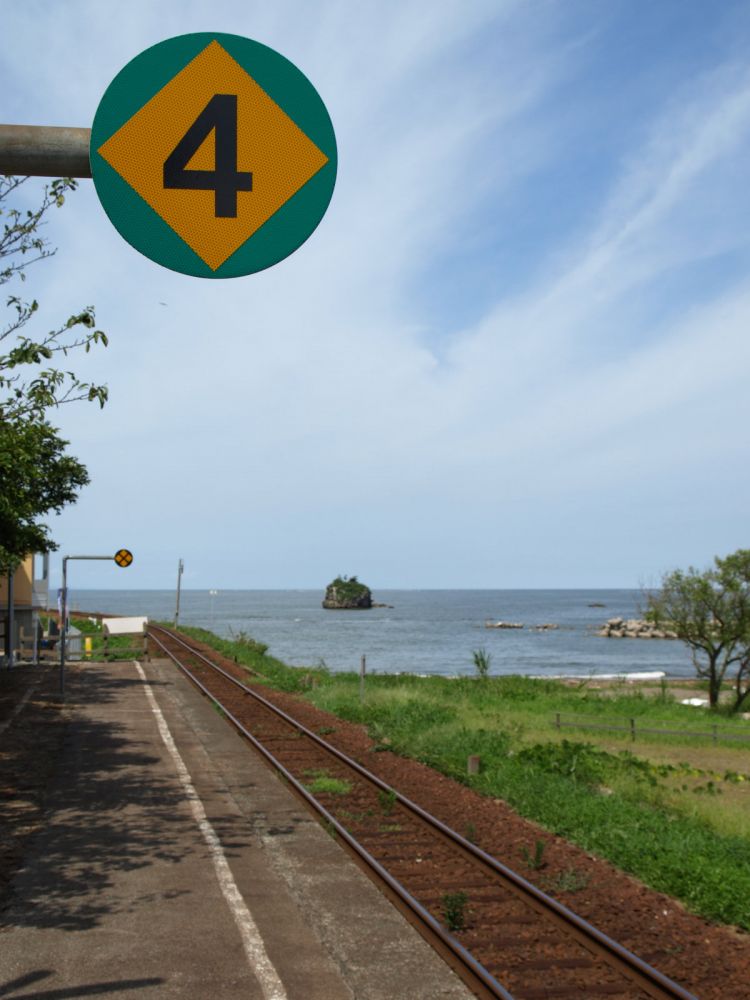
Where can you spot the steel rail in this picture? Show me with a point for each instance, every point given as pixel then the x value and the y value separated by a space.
pixel 620 957
pixel 460 958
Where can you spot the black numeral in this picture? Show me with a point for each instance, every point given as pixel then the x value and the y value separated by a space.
pixel 225 180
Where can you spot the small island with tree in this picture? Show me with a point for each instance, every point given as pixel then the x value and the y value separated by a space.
pixel 346 593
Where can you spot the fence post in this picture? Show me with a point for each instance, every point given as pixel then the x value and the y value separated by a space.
pixel 713 733
pixel 557 721
pixel 473 764
pixel 362 669
pixel 632 730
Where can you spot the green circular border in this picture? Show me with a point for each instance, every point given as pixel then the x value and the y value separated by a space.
pixel 142 227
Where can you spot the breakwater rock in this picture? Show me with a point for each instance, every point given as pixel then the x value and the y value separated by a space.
pixel 346 593
pixel 633 628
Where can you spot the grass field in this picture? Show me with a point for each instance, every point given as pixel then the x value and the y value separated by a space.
pixel 672 810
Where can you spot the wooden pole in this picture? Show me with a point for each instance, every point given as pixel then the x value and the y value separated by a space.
pixel 473 764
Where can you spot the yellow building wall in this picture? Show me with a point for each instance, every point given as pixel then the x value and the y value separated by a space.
pixel 22 585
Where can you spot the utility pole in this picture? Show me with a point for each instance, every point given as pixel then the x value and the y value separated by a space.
pixel 180 568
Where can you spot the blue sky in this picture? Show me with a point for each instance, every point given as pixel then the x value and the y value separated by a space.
pixel 513 354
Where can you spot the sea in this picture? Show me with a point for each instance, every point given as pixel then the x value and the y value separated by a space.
pixel 419 631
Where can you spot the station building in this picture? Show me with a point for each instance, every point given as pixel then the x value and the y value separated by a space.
pixel 22 597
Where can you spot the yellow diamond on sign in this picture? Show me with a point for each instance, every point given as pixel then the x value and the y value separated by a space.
pixel 271 149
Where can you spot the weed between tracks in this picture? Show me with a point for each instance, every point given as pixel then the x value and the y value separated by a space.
pixel 454 910
pixel 322 781
pixel 387 800
pixel 671 810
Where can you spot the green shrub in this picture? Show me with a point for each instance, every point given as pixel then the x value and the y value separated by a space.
pixel 482 660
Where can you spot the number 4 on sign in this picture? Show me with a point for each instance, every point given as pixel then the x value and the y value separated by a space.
pixel 219 116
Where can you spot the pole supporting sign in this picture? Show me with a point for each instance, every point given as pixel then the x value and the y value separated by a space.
pixel 123 558
pixel 213 155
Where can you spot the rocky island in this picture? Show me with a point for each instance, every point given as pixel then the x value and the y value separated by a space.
pixel 346 593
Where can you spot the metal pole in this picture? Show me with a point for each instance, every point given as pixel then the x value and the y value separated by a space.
pixel 362 669
pixel 35 641
pixel 44 151
pixel 180 567
pixel 12 619
pixel 63 624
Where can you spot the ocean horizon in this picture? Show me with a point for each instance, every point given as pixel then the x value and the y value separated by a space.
pixel 421 631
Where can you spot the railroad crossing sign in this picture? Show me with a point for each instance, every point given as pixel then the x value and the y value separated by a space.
pixel 213 155
pixel 123 557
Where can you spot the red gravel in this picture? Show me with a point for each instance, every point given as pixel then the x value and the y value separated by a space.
pixel 711 961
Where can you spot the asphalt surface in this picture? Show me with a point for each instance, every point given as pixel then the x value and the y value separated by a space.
pixel 173 863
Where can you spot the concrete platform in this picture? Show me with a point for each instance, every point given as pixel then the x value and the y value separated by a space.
pixel 175 864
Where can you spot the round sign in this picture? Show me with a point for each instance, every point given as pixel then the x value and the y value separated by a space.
pixel 213 155
pixel 123 557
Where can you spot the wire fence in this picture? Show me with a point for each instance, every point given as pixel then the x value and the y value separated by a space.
pixel 635 728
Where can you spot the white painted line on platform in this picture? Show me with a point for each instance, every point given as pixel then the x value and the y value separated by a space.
pixel 18 709
pixel 252 941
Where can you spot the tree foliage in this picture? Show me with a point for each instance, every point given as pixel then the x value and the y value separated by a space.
pixel 710 611
pixel 37 475
pixel 347 592
pixel 28 384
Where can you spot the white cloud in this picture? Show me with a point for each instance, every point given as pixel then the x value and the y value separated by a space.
pixel 313 398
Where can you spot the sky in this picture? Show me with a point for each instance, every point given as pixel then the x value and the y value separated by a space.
pixel 515 353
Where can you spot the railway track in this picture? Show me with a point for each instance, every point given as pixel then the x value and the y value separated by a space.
pixel 503 936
